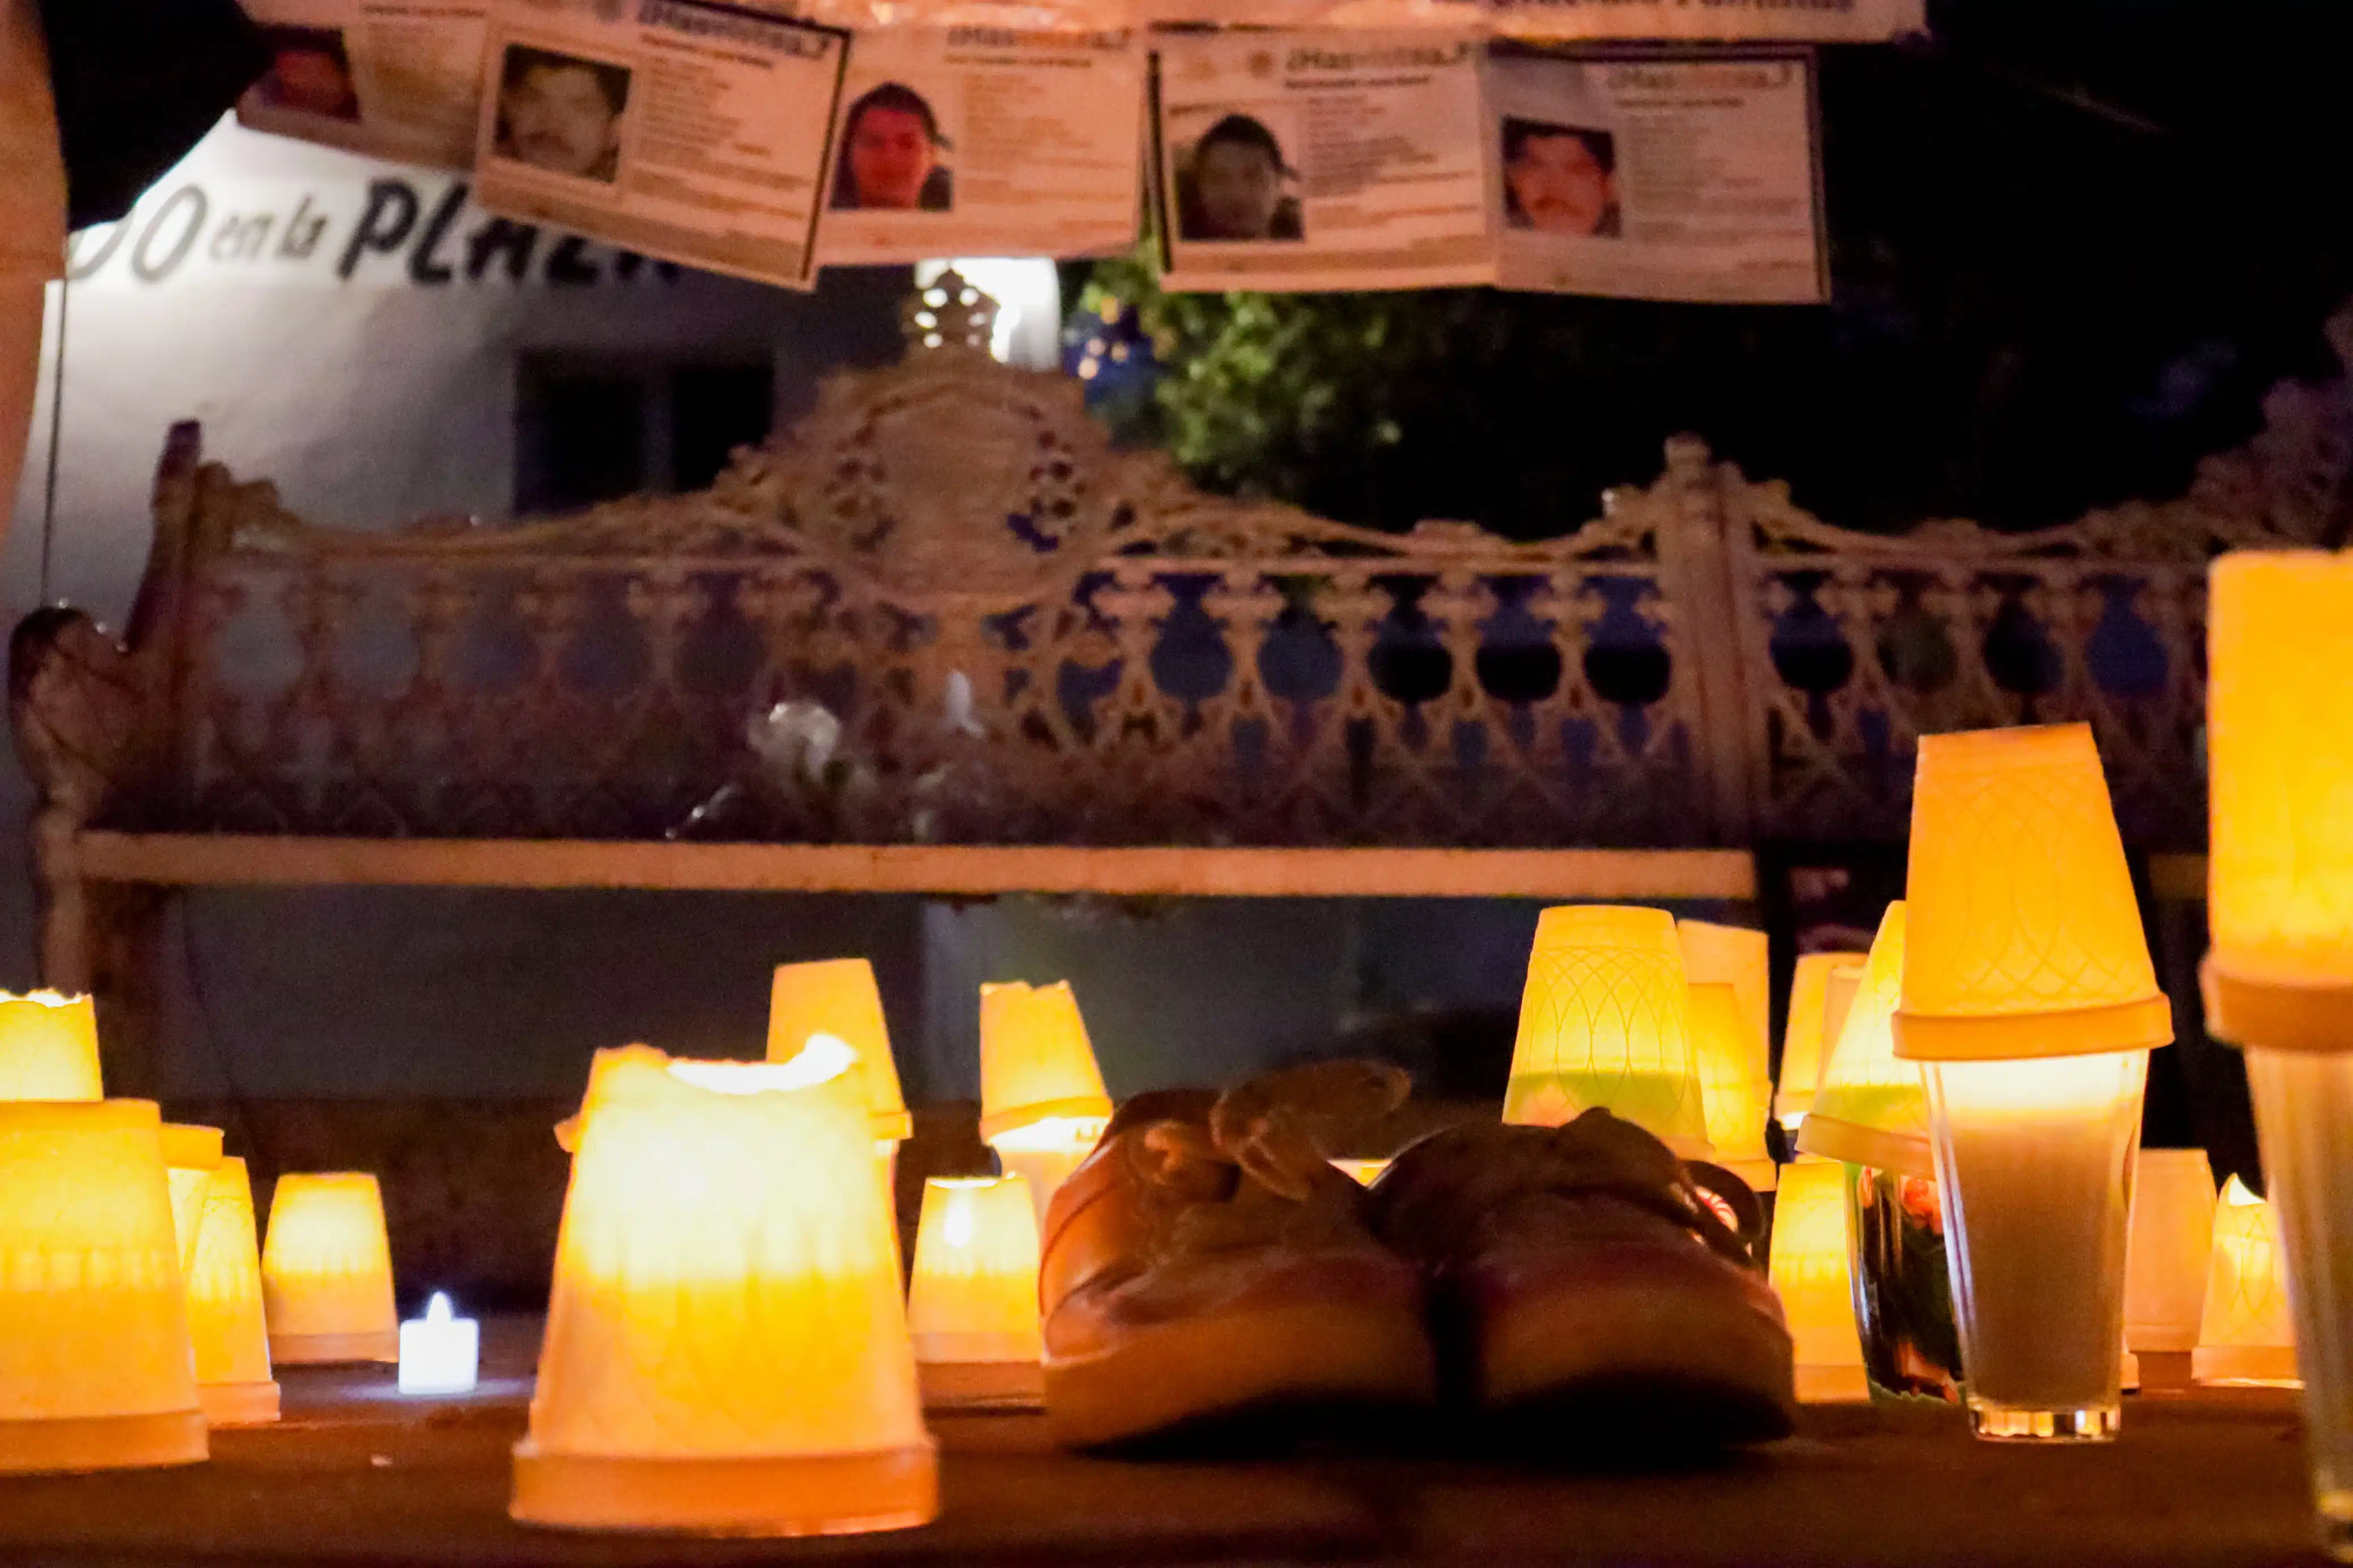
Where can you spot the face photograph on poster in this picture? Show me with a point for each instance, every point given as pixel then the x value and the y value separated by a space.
pixel 1322 159
pixel 1656 175
pixel 560 112
pixel 697 132
pixel 985 141
pixel 389 78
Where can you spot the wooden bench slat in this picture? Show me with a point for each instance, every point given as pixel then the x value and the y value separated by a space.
pixel 229 859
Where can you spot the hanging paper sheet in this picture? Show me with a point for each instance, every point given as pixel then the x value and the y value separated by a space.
pixel 984 142
pixel 1657 176
pixel 1711 21
pixel 698 132
pixel 387 79
pixel 1320 160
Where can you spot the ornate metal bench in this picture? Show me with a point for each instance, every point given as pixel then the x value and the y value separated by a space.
pixel 1056 667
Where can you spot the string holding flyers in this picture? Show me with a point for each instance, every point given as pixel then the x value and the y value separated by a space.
pixel 1658 175
pixel 984 141
pixel 1318 159
pixel 389 78
pixel 696 132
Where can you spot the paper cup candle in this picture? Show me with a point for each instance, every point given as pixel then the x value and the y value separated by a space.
pixel 95 1368
pixel 326 1271
pixel 972 1306
pixel 1872 1114
pixel 1043 1102
pixel 2030 999
pixel 1811 1269
pixel 1734 1098
pixel 2166 1260
pixel 48 1047
pixel 838 997
pixel 1737 957
pixel 601 1066
pixel 2279 980
pixel 1806 1039
pixel 2245 1336
pixel 726 1352
pixel 222 1266
pixel 1605 1021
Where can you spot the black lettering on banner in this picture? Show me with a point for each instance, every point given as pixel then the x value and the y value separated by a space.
pixel 626 264
pixel 298 242
pixel 78 268
pixel 422 268
pixel 375 232
pixel 515 241
pixel 146 268
pixel 567 264
pixel 241 238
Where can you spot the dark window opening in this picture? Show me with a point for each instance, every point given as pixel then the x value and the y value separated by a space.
pixel 590 429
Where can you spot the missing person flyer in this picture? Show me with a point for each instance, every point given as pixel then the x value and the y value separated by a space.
pixel 984 142
pixel 1712 21
pixel 1656 175
pixel 1319 160
pixel 696 132
pixel 384 77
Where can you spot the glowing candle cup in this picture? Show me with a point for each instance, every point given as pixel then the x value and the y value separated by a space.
pixel 326 1271
pixel 2029 997
pixel 2167 1258
pixel 726 1352
pixel 1811 1268
pixel 48 1047
pixel 96 1370
pixel 1735 1093
pixel 1605 1021
pixel 1872 1114
pixel 972 1306
pixel 1363 1173
pixel 222 1265
pixel 2279 979
pixel 1740 958
pixel 2245 1336
pixel 838 997
pixel 1806 1041
pixel 441 1352
pixel 1043 1102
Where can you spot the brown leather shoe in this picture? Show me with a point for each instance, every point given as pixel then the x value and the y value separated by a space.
pixel 1206 1270
pixel 1586 1291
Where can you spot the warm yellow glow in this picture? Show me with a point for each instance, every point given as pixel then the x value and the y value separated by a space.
pixel 95 1369
pixel 726 1351
pixel 222 1266
pixel 1872 1108
pixel 974 1297
pixel 2170 1252
pixel 2246 1335
pixel 1604 1021
pixel 2026 937
pixel 1803 1041
pixel 1735 1094
pixel 1365 1172
pixel 838 997
pixel 1738 957
pixel 48 1047
pixel 601 1066
pixel 2279 740
pixel 326 1270
pixel 1036 1061
pixel 189 1156
pixel 1811 1268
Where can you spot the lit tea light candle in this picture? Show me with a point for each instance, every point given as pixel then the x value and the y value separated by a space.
pixel 2246 1337
pixel 48 1047
pixel 1043 1102
pixel 972 1306
pixel 1605 1022
pixel 441 1352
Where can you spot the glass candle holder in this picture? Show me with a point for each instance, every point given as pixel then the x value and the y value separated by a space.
pixel 1902 1285
pixel 2035 1161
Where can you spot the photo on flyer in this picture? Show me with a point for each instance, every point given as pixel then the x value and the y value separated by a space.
pixel 387 79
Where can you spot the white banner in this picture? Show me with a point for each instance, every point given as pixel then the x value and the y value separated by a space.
pixel 697 131
pixel 974 140
pixel 390 78
pixel 1657 176
pixel 1320 160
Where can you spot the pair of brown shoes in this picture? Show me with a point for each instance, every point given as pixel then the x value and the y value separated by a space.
pixel 1207 1271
